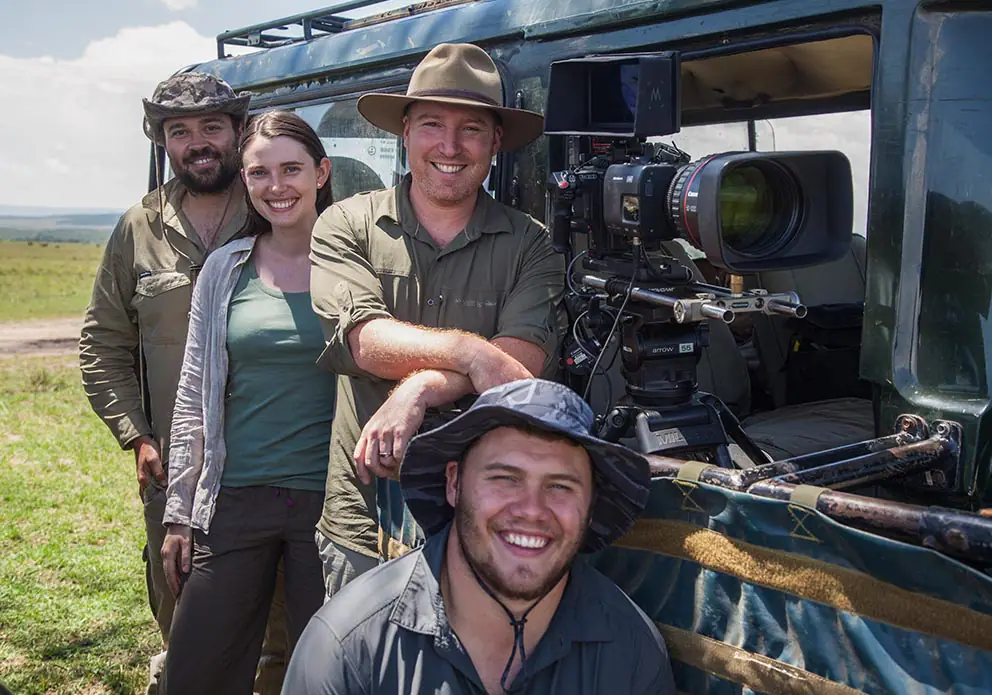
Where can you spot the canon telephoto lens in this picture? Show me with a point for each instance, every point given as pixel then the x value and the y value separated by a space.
pixel 759 201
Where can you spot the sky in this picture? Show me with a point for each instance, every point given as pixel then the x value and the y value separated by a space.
pixel 73 74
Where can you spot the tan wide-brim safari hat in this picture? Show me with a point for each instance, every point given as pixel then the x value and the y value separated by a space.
pixel 455 73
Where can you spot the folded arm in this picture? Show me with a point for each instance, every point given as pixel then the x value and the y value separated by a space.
pixel 393 350
pixel 386 435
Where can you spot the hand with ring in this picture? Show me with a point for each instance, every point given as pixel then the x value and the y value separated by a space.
pixel 385 436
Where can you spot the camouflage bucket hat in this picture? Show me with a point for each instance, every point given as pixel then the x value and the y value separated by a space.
pixel 622 476
pixel 191 94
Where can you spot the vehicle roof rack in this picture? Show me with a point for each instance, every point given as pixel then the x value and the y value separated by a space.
pixel 317 23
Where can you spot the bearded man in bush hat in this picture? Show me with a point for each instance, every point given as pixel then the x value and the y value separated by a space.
pixel 134 333
pixel 508 493
pixel 428 292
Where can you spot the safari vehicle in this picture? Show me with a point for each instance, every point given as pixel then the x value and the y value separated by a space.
pixel 834 543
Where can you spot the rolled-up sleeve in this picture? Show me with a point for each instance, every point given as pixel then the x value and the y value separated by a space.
pixel 533 309
pixel 108 343
pixel 344 286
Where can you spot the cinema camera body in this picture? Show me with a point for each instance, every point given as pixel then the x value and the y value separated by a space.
pixel 746 211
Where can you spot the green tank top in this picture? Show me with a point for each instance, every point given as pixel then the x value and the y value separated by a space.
pixel 279 403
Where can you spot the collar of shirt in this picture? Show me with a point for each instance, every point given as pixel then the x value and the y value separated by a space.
pixel 170 205
pixel 420 608
pixel 489 216
pixel 241 249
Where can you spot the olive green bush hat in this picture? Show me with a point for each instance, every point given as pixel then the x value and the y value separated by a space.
pixel 191 94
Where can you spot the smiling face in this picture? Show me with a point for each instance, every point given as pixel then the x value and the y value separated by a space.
pixel 522 507
pixel 282 180
pixel 203 151
pixel 449 149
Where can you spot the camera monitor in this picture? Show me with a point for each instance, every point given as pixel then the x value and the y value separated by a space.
pixel 614 96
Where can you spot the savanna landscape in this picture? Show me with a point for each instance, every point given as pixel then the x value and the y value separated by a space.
pixel 73 611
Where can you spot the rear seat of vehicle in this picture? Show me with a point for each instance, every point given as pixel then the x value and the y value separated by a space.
pixel 801 428
pixel 839 283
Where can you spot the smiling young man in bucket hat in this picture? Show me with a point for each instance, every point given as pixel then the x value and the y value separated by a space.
pixel 142 293
pixel 495 601
pixel 428 291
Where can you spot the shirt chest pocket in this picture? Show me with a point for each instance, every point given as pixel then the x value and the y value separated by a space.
pixel 476 311
pixel 162 299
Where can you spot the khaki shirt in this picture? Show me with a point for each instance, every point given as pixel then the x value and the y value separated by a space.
pixel 371 259
pixel 143 287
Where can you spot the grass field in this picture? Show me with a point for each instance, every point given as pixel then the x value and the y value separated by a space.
pixel 45 281
pixel 74 617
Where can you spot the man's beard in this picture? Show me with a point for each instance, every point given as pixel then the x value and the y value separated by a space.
pixel 473 542
pixel 209 182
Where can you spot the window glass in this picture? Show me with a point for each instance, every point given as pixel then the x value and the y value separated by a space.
pixel 849 133
pixel 701 140
pixel 363 157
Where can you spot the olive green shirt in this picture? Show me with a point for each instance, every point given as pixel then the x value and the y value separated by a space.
pixel 371 259
pixel 143 286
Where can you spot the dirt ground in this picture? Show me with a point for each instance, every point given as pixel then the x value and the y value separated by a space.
pixel 43 337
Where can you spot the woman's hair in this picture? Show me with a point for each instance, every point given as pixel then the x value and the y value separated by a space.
pixel 273 124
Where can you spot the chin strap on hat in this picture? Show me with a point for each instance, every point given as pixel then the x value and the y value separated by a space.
pixel 516 623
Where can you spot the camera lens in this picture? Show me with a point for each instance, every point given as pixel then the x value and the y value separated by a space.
pixel 759 203
pixel 759 208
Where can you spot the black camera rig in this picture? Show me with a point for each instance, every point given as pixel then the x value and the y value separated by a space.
pixel 627 197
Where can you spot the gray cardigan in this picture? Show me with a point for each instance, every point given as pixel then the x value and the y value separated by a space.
pixel 197 450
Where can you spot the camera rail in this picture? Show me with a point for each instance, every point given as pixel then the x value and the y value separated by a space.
pixel 710 302
pixel 781 303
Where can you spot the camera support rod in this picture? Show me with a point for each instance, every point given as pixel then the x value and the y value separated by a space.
pixel 713 302
pixel 783 303
pixel 681 307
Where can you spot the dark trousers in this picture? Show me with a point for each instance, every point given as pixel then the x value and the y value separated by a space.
pixel 221 614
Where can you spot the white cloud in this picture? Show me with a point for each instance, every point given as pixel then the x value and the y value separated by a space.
pixel 70 130
pixel 179 5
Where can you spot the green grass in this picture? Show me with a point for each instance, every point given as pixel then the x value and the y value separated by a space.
pixel 39 281
pixel 74 616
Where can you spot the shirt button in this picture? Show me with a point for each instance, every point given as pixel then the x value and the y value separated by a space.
pixel 430 302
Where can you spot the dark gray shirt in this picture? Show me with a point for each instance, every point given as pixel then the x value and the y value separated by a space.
pixel 386 633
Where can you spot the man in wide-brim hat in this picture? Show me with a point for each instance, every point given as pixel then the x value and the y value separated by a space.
pixel 143 289
pixel 428 292
pixel 508 494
